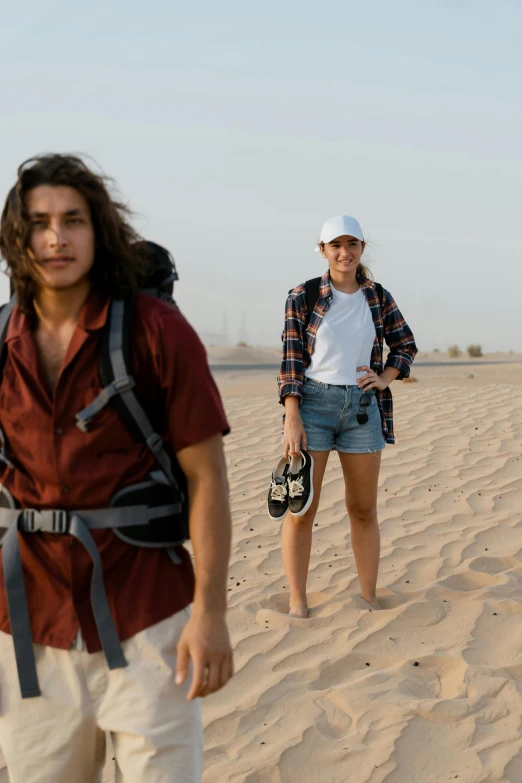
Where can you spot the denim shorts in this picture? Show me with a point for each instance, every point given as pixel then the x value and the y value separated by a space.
pixel 329 417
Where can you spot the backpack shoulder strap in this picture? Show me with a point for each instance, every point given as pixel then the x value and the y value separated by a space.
pixel 118 385
pixel 6 312
pixel 312 295
pixel 380 293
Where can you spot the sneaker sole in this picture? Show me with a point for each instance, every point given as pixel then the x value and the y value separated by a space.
pixel 309 501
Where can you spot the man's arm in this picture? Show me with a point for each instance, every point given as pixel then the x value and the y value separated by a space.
pixel 205 639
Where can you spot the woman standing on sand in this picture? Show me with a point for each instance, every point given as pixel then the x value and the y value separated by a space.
pixel 334 386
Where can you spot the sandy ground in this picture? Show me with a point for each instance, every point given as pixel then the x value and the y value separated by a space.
pixel 428 690
pixel 338 697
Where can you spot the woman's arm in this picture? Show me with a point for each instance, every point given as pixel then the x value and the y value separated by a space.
pixel 294 438
pixel 399 338
pixel 291 373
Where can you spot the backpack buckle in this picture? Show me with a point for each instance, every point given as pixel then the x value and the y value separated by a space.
pixel 123 384
pixel 28 520
pixel 60 522
pixel 47 521
pixel 155 443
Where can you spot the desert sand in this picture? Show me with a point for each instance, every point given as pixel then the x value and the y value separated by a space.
pixel 429 689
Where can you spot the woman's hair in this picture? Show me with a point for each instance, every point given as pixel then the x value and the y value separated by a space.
pixel 119 263
pixel 362 269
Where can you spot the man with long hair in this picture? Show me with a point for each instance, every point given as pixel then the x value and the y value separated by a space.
pixel 70 251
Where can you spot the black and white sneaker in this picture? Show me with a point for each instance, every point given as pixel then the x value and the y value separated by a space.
pixel 300 484
pixel 277 503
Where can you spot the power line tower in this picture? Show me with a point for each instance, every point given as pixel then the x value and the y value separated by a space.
pixel 243 334
pixel 225 329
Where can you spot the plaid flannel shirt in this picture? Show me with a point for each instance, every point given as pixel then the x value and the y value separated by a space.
pixel 298 345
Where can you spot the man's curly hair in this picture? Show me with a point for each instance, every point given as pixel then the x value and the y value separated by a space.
pixel 120 262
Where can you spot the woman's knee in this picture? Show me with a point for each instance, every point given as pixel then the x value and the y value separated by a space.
pixel 361 513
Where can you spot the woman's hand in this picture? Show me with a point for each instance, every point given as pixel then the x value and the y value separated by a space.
pixel 371 380
pixel 294 438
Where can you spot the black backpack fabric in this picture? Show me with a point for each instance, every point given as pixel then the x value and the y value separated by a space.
pixel 162 275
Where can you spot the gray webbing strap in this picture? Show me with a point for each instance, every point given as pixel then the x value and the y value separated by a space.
pixel 57 521
pixel 3 456
pixel 19 614
pixel 100 606
pixel 173 555
pixel 116 387
pixel 152 439
pixel 5 313
pixel 78 524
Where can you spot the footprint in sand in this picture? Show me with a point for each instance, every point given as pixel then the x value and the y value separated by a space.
pixel 386 598
pixel 273 611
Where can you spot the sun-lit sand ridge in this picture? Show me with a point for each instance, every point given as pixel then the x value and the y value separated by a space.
pixel 427 690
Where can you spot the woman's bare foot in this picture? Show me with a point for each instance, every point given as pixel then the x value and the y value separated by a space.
pixel 372 602
pixel 298 610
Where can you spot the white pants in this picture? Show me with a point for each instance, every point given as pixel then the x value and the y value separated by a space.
pixel 59 737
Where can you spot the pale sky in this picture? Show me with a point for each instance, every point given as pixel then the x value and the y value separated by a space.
pixel 235 129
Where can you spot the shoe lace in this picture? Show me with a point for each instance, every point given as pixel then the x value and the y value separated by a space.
pixel 278 492
pixel 295 487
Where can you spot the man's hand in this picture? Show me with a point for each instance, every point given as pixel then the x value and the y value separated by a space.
pixel 205 640
pixel 205 637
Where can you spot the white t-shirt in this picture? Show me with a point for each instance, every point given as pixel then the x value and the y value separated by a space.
pixel 344 340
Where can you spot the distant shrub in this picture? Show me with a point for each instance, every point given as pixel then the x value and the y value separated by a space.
pixel 454 351
pixel 475 350
pixel 242 344
pixel 436 350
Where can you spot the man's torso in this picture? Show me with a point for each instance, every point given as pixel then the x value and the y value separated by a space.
pixel 56 465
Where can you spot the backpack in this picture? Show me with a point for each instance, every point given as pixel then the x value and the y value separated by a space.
pixel 312 295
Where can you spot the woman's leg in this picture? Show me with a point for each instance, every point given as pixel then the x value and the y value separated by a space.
pixel 296 542
pixel 361 475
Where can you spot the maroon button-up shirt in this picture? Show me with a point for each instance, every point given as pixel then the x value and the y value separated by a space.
pixel 56 465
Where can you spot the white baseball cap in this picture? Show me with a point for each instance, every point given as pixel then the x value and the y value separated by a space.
pixel 340 226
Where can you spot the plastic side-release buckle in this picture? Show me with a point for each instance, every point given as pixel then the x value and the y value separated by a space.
pixel 52 521
pixel 155 443
pixel 60 521
pixel 126 383
pixel 28 523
